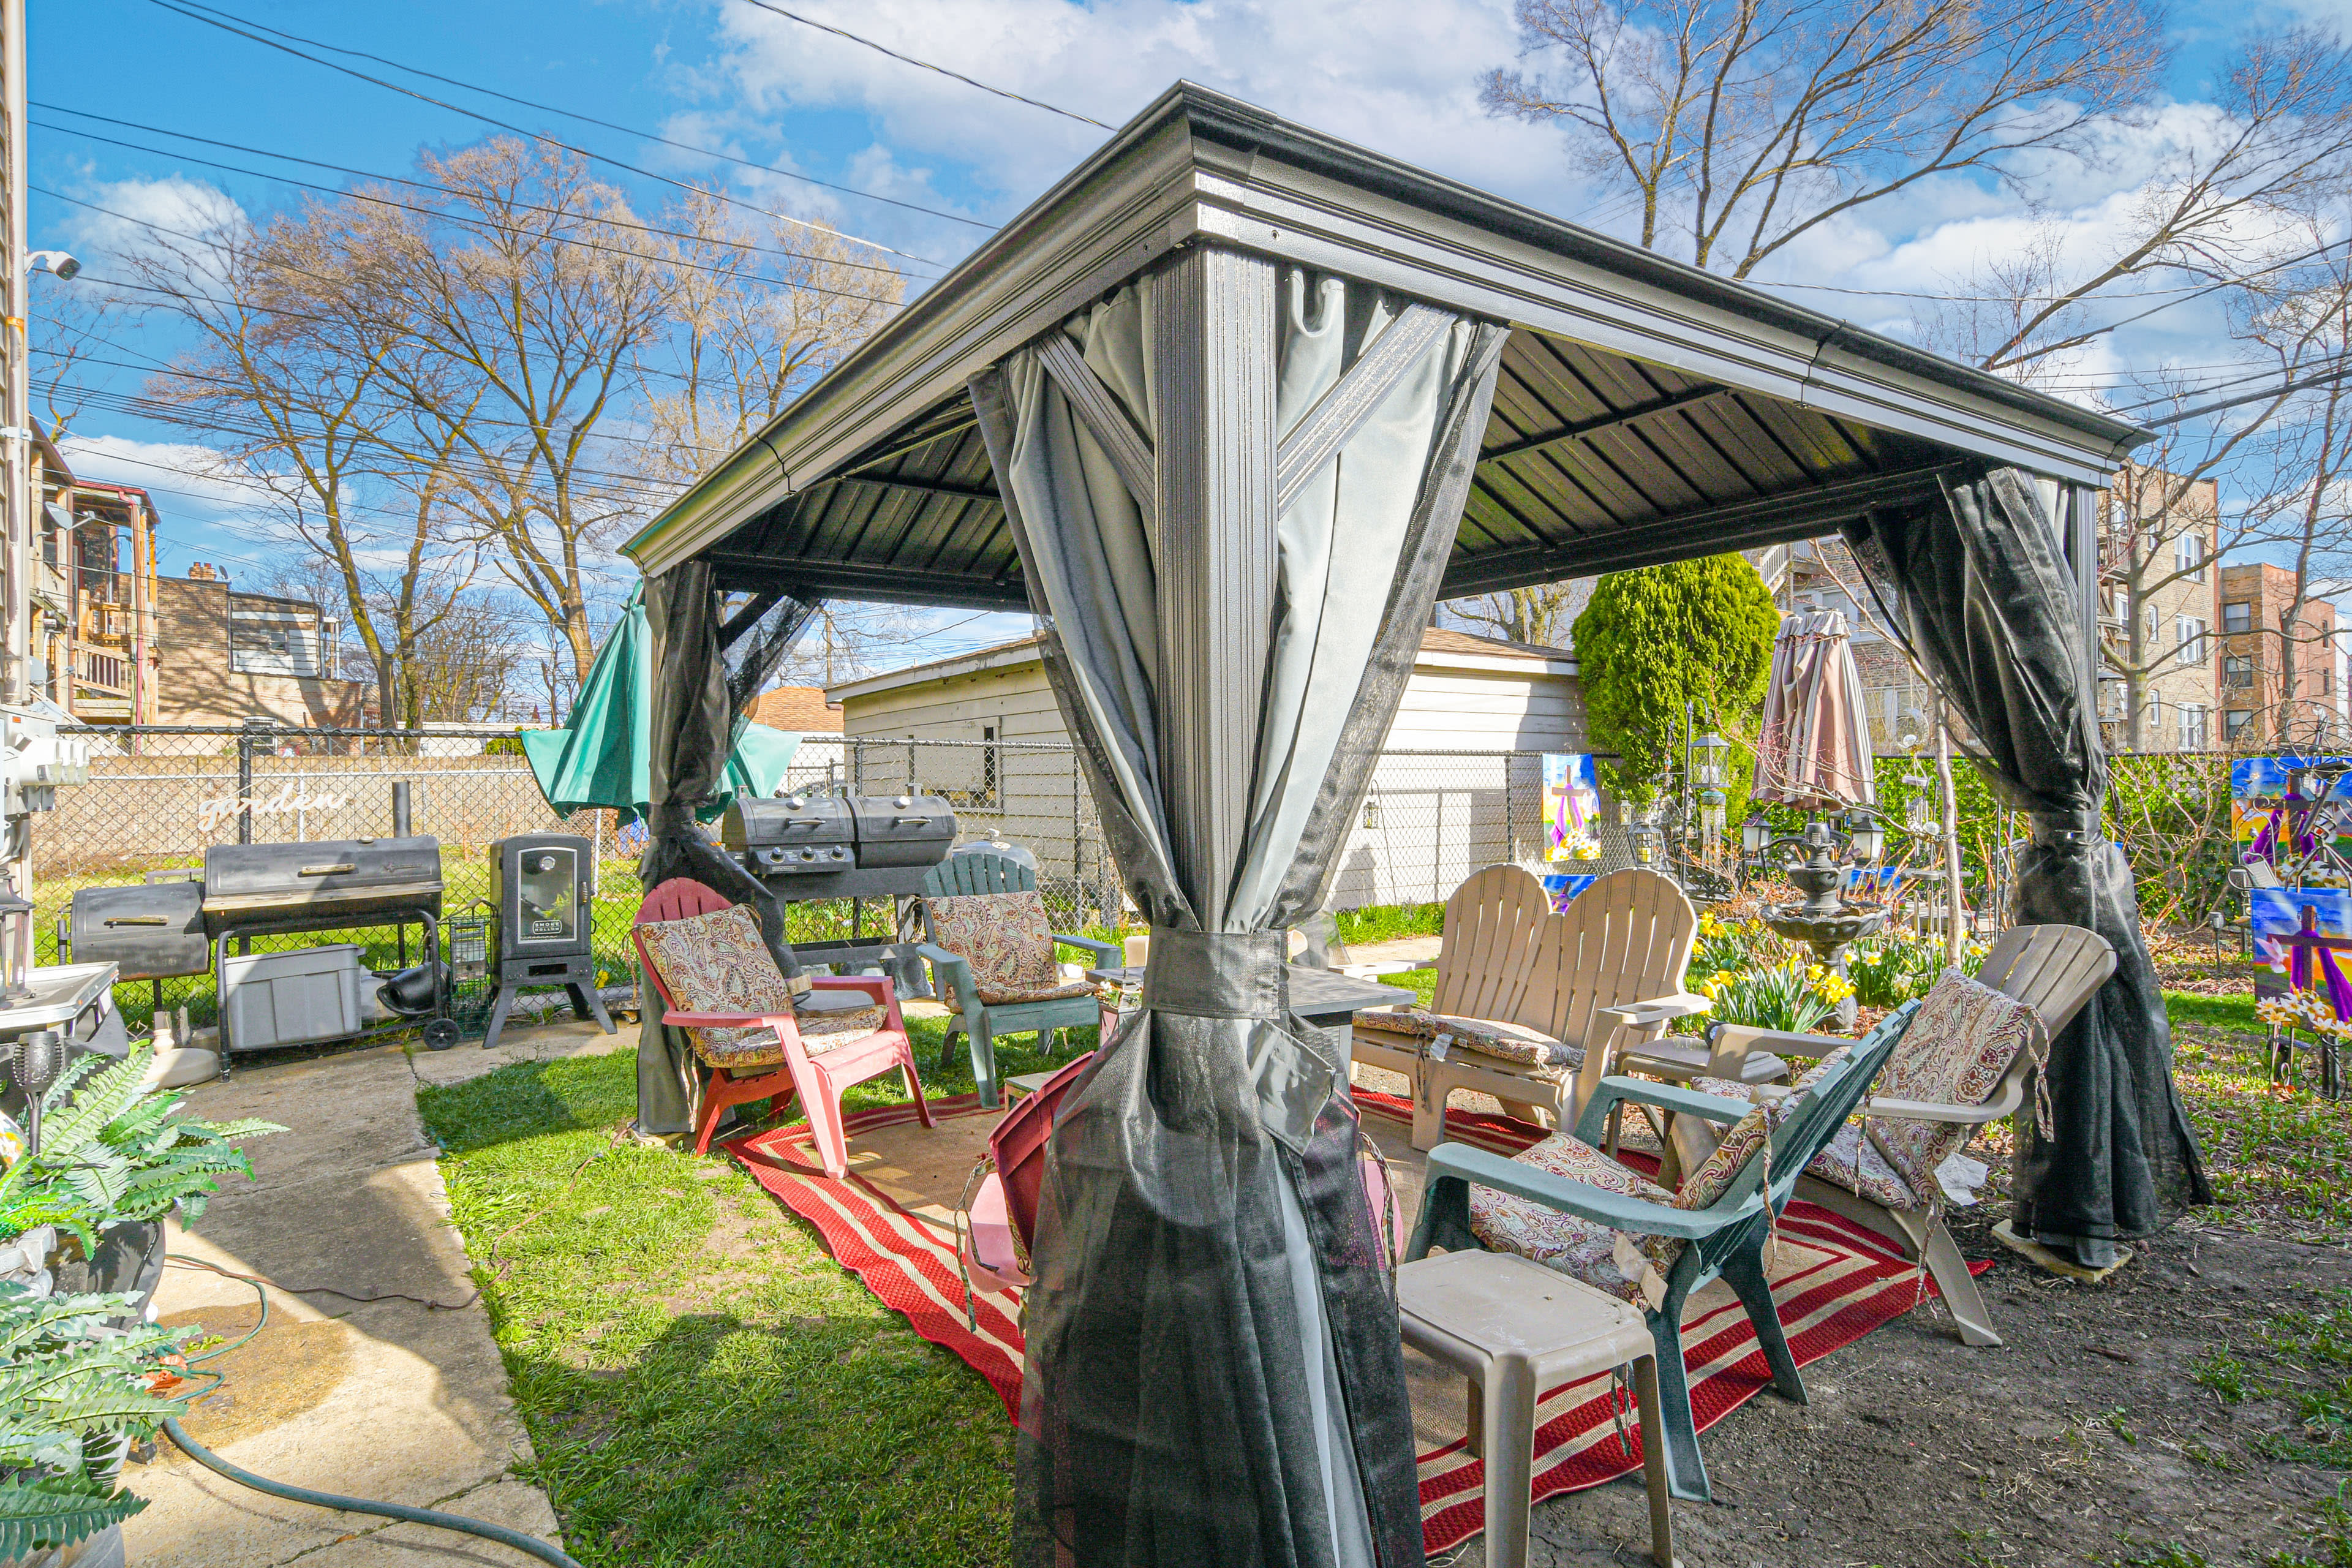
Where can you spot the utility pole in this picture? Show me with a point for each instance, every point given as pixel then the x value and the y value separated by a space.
pixel 16 398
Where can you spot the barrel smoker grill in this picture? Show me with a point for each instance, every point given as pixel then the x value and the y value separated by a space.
pixel 271 889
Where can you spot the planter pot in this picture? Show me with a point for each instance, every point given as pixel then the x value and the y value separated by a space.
pixel 130 1258
pixel 103 1549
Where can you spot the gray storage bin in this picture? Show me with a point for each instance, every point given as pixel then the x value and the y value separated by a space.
pixel 291 998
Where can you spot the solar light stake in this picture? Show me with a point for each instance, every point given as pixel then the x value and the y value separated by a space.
pixel 36 1061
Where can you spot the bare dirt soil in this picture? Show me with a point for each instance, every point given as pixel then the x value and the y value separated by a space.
pixel 2088 1437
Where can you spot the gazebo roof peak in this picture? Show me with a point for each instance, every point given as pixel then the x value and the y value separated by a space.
pixel 1648 409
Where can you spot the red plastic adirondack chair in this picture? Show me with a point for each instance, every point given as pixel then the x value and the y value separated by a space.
pixel 818 1077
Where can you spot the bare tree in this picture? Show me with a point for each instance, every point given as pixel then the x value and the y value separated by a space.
pixel 1740 127
pixel 518 291
pixel 746 338
pixel 1540 616
pixel 287 376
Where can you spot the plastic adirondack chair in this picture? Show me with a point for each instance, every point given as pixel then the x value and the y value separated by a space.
pixel 982 872
pixel 2053 969
pixel 818 1075
pixel 1609 965
pixel 1725 1238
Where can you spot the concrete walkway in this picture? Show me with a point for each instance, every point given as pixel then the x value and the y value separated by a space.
pixel 390 1399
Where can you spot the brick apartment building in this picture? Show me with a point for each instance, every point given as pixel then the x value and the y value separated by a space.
pixel 2160 598
pixel 2259 644
pixel 227 657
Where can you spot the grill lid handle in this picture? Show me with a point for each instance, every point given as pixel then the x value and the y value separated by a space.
pixel 113 921
pixel 334 870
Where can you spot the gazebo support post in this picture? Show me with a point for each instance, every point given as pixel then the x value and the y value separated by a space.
pixel 1217 557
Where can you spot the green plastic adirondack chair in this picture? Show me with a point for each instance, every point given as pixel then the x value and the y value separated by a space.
pixel 1725 1238
pixel 982 872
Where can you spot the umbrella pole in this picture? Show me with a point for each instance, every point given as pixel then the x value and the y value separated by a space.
pixel 1953 903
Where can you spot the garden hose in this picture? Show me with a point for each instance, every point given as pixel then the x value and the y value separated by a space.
pixel 528 1544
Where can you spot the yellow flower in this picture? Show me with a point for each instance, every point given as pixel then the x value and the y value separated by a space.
pixel 1725 976
pixel 1709 926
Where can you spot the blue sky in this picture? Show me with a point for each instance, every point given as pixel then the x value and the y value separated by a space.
pixel 1401 75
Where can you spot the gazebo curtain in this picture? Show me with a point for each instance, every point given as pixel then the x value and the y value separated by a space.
pixel 707 668
pixel 1233 487
pixel 1986 604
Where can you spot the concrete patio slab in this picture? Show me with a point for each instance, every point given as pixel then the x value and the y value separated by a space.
pixel 376 1375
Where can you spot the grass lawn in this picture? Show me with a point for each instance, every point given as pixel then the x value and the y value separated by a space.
pixel 703 1385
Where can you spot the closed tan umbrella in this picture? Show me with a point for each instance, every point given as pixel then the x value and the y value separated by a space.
pixel 1815 752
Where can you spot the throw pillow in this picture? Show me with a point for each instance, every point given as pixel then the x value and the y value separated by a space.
pixel 1960 1042
pixel 1005 939
pixel 716 963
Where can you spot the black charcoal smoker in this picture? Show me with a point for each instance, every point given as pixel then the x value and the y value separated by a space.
pixel 543 885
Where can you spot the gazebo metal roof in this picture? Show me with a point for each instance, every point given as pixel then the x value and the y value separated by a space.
pixel 1647 411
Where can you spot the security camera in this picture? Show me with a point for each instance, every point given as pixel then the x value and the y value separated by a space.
pixel 60 262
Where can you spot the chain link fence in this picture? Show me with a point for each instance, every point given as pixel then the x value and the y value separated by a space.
pixel 158 797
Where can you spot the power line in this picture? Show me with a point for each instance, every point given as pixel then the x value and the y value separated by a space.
pixel 591 119
pixel 447 215
pixel 517 130
pixel 926 65
pixel 414 184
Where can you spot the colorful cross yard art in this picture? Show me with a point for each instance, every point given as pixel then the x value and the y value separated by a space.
pixel 1571 806
pixel 2302 935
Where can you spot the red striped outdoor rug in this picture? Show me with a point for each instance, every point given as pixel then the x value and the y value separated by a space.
pixel 1834 1282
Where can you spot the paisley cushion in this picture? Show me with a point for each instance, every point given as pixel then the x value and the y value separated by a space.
pixel 1852 1162
pixel 1960 1042
pixel 1512 1043
pixel 716 963
pixel 1580 1248
pixel 1005 939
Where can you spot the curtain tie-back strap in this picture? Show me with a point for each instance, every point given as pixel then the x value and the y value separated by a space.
pixel 1221 974
pixel 1217 974
pixel 2065 829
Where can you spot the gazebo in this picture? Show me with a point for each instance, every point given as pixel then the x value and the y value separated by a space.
pixel 1229 408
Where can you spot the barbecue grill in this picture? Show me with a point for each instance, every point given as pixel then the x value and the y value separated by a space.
pixel 255 890
pixel 806 845
pixel 809 846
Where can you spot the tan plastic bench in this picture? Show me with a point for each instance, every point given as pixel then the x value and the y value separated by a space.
pixel 1609 965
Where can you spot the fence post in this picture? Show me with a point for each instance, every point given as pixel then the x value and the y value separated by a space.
pixel 245 784
pixel 858 766
pixel 1511 819
pixel 1077 841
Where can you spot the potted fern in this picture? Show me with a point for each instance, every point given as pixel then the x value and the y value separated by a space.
pixel 82 1244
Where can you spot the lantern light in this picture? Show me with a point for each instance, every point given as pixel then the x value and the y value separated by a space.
pixel 1863 835
pixel 1710 749
pixel 1755 833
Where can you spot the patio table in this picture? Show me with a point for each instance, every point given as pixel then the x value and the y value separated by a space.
pixel 1324 997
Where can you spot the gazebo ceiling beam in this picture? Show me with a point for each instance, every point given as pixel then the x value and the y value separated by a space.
pixel 805 580
pixel 928 487
pixel 1766 520
pixel 1584 429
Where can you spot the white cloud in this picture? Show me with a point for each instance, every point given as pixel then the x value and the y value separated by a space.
pixel 170 216
pixel 1399 78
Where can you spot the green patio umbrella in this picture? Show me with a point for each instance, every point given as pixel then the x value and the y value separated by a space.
pixel 600 756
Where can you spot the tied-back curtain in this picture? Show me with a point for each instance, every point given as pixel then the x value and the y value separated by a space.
pixel 696 693
pixel 1212 1372
pixel 1987 605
